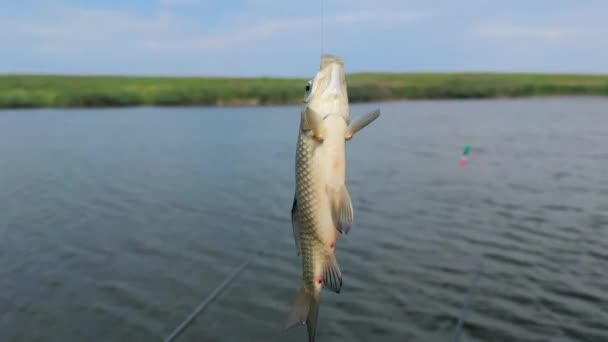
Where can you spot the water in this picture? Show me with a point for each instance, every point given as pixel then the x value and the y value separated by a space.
pixel 116 223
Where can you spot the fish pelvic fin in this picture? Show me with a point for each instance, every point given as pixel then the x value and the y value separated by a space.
pixel 332 277
pixel 305 309
pixel 341 208
pixel 360 123
pixel 312 124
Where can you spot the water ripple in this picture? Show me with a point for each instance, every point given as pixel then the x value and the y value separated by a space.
pixel 120 236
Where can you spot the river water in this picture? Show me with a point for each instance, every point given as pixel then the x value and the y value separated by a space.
pixel 116 223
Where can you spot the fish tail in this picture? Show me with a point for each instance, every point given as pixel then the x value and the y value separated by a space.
pixel 311 319
pixel 305 309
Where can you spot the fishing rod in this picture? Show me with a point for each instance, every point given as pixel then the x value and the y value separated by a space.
pixel 218 290
pixel 206 302
pixel 467 304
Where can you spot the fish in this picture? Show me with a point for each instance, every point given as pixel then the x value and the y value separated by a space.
pixel 322 210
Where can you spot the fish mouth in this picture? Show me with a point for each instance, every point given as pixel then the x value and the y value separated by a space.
pixel 327 59
pixel 335 83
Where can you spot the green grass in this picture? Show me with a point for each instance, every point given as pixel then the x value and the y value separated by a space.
pixel 31 91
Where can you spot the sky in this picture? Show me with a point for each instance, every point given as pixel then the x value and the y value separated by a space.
pixel 286 38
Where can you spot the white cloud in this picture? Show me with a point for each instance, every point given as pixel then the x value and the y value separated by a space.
pixel 180 2
pixel 203 36
pixel 519 32
pixel 564 25
pixel 252 31
pixel 94 29
pixel 377 17
pixel 86 30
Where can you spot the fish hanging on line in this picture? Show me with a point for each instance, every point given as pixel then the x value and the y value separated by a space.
pixel 322 209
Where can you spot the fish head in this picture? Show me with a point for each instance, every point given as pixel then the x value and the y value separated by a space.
pixel 326 93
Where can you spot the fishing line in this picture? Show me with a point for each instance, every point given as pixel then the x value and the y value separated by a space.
pixel 322 28
pixel 466 306
pixel 218 290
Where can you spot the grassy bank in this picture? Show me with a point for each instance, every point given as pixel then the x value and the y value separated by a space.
pixel 105 91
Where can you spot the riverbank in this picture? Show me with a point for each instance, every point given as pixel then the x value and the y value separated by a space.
pixel 38 91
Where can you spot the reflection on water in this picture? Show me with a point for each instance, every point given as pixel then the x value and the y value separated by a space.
pixel 116 223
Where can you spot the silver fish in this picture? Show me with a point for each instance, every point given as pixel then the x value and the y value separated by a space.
pixel 322 208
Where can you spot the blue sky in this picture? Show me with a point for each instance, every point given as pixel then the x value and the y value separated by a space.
pixel 283 38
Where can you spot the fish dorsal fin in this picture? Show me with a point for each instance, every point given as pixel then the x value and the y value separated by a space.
pixel 360 123
pixel 341 208
pixel 332 277
pixel 294 223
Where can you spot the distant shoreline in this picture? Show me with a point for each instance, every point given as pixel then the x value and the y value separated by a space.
pixel 56 91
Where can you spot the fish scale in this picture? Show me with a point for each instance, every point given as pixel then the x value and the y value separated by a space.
pixel 308 206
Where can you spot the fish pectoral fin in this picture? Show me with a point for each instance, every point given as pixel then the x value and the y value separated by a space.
pixel 312 124
pixel 341 208
pixel 294 223
pixel 332 277
pixel 360 123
